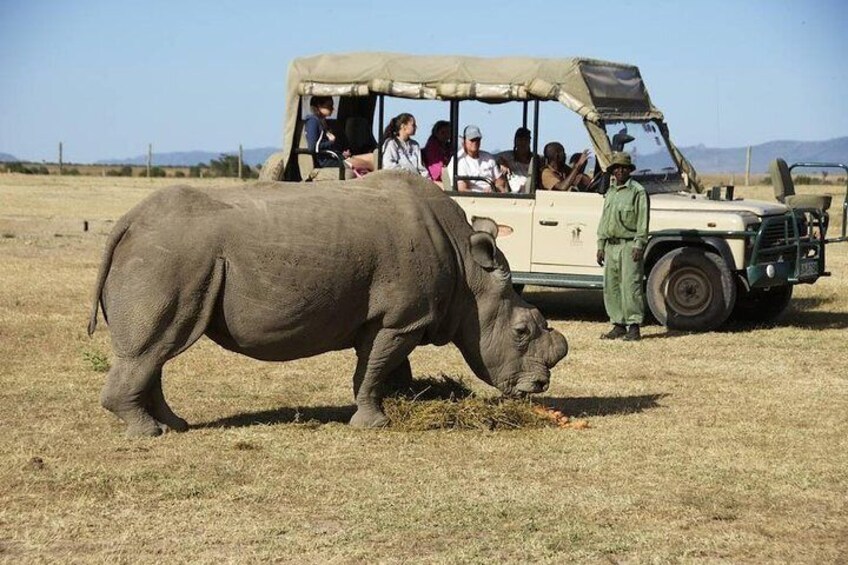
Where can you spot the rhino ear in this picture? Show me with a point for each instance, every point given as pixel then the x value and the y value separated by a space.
pixel 487 225
pixel 483 249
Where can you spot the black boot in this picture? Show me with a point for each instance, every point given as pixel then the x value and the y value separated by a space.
pixel 633 333
pixel 616 332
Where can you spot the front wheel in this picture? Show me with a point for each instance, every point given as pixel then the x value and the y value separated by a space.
pixel 691 290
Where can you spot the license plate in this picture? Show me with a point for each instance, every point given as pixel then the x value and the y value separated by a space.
pixel 809 268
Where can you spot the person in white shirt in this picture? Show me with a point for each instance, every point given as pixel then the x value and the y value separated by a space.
pixel 400 151
pixel 477 163
pixel 515 164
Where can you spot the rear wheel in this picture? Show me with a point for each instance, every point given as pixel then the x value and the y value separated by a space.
pixel 763 305
pixel 691 290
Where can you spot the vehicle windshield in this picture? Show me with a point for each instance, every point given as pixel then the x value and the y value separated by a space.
pixel 655 166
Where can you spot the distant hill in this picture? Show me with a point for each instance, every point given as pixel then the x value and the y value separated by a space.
pixel 709 160
pixel 190 158
pixel 705 159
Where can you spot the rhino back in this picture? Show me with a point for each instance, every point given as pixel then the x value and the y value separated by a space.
pixel 309 266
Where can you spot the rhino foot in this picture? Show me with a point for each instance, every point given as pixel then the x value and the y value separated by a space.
pixel 144 429
pixel 176 424
pixel 369 418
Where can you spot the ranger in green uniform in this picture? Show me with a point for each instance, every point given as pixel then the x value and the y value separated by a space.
pixel 622 236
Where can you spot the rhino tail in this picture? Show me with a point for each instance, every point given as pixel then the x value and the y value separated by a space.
pixel 106 264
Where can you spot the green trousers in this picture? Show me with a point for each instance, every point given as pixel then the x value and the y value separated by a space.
pixel 624 294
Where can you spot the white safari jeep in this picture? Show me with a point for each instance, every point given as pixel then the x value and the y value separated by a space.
pixel 710 254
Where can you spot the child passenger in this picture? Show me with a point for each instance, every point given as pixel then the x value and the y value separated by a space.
pixel 400 151
pixel 320 139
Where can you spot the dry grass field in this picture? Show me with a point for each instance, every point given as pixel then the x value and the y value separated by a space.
pixel 729 446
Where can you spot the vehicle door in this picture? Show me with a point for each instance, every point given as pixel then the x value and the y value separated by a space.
pixel 513 213
pixel 564 232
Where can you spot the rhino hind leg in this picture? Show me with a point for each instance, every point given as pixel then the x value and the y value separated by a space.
pixel 145 335
pixel 126 393
pixel 159 409
pixel 378 361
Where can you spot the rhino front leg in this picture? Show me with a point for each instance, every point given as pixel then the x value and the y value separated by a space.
pixel 377 361
pixel 400 380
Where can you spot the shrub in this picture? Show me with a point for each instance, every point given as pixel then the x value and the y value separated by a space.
pixel 18 167
pixel 154 172
pixel 227 166
pixel 179 174
pixel 125 171
pixel 98 361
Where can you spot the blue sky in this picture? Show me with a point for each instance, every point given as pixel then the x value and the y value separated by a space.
pixel 108 77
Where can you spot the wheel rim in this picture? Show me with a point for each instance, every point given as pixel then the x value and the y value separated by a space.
pixel 688 291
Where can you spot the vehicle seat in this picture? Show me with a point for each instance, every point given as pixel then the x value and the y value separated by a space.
pixel 359 136
pixel 447 180
pixel 308 169
pixel 305 162
pixel 530 185
pixel 784 189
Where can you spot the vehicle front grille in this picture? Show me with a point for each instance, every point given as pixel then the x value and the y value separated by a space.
pixel 778 240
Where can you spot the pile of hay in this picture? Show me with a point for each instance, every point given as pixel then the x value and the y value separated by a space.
pixel 443 402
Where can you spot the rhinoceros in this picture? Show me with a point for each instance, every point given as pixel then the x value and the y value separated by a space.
pixel 281 271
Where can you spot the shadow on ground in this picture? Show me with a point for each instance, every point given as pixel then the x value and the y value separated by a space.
pixel 586 406
pixel 588 306
pixel 568 304
pixel 604 405
pixel 321 414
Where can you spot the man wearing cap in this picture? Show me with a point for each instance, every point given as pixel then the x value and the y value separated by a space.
pixel 622 236
pixel 477 163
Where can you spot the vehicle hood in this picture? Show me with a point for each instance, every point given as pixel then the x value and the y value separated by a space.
pixel 700 203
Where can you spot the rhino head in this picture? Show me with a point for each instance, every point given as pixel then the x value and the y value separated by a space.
pixel 505 340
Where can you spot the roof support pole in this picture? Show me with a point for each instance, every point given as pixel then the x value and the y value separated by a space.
pixel 454 118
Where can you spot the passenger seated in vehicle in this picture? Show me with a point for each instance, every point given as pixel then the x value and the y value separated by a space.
pixel 476 163
pixel 556 175
pixel 515 164
pixel 400 151
pixel 320 139
pixel 436 152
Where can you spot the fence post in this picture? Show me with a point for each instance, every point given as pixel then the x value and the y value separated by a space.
pixel 748 167
pixel 241 159
pixel 60 159
pixel 149 158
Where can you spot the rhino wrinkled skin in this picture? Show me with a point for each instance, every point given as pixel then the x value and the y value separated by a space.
pixel 281 271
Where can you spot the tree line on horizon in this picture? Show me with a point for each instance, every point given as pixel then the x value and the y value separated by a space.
pixel 224 166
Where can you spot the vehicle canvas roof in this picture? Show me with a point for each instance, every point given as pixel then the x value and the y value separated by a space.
pixel 596 90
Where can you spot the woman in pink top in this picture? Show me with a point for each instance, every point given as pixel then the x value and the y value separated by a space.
pixel 436 152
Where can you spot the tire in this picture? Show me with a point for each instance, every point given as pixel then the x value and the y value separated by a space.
pixel 763 305
pixel 272 169
pixel 691 290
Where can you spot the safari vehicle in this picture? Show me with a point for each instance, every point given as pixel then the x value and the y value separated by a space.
pixel 710 254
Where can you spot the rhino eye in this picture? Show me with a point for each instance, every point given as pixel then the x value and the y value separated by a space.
pixel 522 331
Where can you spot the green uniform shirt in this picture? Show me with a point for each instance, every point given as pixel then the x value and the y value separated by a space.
pixel 625 214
